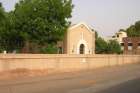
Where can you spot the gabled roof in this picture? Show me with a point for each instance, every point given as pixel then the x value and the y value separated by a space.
pixel 79 24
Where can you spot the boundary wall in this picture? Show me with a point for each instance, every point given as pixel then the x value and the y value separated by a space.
pixel 63 63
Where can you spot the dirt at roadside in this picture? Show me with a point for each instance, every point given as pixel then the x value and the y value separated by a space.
pixel 25 73
pixel 22 73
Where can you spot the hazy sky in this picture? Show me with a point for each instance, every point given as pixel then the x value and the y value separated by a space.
pixel 105 16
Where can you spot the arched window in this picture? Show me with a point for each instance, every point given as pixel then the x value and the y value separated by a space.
pixel 82 49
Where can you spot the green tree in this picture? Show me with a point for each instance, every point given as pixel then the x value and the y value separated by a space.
pixel 134 30
pixel 3 27
pixel 113 47
pixel 42 21
pixel 96 34
pixel 109 47
pixel 137 26
pixel 9 39
pixel 101 46
pixel 51 49
pixel 2 13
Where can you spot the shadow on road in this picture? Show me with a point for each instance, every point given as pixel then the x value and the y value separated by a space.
pixel 132 86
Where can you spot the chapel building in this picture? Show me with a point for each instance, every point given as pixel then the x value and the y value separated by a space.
pixel 79 39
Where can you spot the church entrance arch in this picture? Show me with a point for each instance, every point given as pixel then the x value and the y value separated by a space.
pixel 82 49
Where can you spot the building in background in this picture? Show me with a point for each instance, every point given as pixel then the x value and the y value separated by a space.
pixel 79 39
pixel 118 37
pixel 131 45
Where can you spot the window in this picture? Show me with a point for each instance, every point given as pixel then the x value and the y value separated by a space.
pixel 122 44
pixel 139 45
pixel 130 44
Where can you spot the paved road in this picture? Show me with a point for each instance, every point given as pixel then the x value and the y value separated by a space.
pixel 132 86
pixel 82 82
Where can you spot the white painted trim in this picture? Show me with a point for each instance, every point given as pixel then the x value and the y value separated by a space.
pixel 81 23
pixel 86 46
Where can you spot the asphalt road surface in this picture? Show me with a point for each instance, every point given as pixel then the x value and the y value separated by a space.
pixel 132 86
pixel 117 79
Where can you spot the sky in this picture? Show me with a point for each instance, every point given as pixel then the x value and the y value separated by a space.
pixel 105 16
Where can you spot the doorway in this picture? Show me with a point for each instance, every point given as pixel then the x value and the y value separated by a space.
pixel 82 49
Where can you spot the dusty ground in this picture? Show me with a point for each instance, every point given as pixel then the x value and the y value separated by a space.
pixel 25 73
pixel 88 81
pixel 21 73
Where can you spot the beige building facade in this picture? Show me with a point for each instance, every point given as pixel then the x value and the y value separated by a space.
pixel 79 39
pixel 118 37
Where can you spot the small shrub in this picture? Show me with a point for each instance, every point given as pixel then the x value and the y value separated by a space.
pixel 50 49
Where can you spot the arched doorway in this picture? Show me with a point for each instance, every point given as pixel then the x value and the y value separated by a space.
pixel 82 49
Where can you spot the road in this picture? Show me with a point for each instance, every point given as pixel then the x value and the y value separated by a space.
pixel 131 86
pixel 92 81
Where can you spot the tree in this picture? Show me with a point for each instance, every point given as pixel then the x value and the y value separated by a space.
pixel 3 27
pixel 131 31
pixel 137 26
pixel 134 30
pixel 101 46
pixel 2 13
pixel 42 21
pixel 114 47
pixel 96 34
pixel 9 40
pixel 106 47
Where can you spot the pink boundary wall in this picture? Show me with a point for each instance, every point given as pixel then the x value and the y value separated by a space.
pixel 63 63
